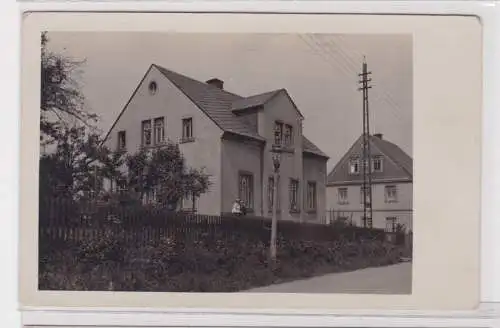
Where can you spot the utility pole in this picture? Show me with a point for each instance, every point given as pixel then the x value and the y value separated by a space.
pixel 366 156
pixel 276 157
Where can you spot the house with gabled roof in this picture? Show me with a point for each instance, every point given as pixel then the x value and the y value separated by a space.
pixel 392 186
pixel 230 137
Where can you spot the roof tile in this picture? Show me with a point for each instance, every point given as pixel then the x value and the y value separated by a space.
pixel 218 105
pixel 339 173
pixel 253 101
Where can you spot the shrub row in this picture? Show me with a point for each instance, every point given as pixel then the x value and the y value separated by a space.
pixel 175 264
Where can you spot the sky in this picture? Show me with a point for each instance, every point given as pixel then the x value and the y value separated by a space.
pixel 319 71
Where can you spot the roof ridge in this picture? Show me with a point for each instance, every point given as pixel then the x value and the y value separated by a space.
pixel 215 103
pixel 391 156
pixel 386 152
pixel 339 163
pixel 259 99
pixel 264 93
pixel 306 142
pixel 126 104
pixel 169 71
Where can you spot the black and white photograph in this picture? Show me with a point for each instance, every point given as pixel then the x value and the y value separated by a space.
pixel 221 163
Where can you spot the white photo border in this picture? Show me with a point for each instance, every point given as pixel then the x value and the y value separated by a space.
pixel 486 315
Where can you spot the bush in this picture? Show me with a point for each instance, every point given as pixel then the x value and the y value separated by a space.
pixel 214 262
pixel 143 248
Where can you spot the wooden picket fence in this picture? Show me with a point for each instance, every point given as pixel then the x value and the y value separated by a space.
pixel 63 220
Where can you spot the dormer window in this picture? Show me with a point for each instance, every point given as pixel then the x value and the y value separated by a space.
pixel 278 133
pixel 377 164
pixel 288 135
pixel 354 166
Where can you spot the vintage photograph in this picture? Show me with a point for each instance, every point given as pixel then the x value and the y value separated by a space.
pixel 260 163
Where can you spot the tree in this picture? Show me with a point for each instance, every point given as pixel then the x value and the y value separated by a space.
pixel 78 165
pixel 61 103
pixel 79 162
pixel 163 170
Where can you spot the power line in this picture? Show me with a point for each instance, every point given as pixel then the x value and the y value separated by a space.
pixel 366 158
pixel 391 107
pixel 338 59
pixel 351 67
pixel 388 97
pixel 319 50
pixel 345 48
pixel 348 68
pixel 312 44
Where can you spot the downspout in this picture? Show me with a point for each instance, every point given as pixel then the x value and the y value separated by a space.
pixel 221 172
pixel 302 184
pixel 262 187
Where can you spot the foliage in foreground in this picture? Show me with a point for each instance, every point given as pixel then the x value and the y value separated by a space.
pixel 204 265
pixel 75 162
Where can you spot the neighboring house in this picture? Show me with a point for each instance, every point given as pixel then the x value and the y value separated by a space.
pixel 392 186
pixel 230 136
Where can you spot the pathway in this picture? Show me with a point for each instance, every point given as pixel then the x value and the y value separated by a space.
pixel 392 279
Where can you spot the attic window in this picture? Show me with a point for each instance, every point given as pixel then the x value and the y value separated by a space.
pixel 153 87
pixel 377 164
pixel 278 133
pixel 354 166
pixel 288 135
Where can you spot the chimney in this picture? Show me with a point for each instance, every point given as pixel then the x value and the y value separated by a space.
pixel 378 135
pixel 216 82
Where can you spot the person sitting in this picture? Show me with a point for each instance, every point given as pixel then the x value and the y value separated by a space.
pixel 236 210
pixel 243 208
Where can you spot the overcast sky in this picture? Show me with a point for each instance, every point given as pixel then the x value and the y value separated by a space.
pixel 319 71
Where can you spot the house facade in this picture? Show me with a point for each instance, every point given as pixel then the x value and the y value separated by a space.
pixel 231 138
pixel 392 186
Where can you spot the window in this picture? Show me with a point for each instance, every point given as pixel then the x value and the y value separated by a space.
pixel 294 195
pixel 150 197
pixel 121 186
pixel 188 202
pixel 391 194
pixel 391 224
pixel 311 195
pixel 146 133
pixel 364 194
pixel 342 195
pixel 367 222
pixel 122 140
pixel 354 166
pixel 187 129
pixel 153 87
pixel 288 135
pixel 245 190
pixel 377 164
pixel 159 130
pixel 278 133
